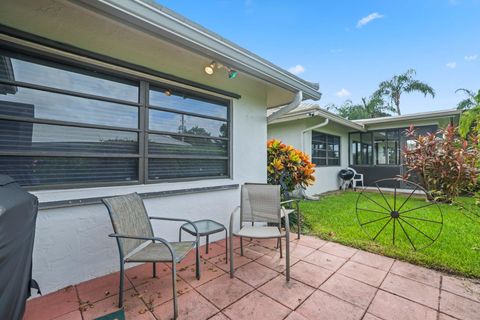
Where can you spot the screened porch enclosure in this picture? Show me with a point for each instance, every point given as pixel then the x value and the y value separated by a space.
pixel 378 153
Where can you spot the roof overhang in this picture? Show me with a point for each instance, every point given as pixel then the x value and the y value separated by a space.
pixel 164 23
pixel 316 111
pixel 410 117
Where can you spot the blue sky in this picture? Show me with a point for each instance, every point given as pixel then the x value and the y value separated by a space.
pixel 349 56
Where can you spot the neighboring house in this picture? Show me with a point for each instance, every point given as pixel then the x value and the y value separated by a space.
pixel 102 98
pixel 370 146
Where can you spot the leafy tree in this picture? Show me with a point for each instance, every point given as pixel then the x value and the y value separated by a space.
pixel 369 108
pixel 470 119
pixel 395 87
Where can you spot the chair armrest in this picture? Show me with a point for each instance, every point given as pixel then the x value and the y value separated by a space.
pixel 230 229
pixel 165 242
pixel 293 201
pixel 179 219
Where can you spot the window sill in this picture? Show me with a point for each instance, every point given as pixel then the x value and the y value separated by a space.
pixel 51 199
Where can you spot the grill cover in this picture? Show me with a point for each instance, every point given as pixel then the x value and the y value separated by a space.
pixel 346 174
pixel 18 215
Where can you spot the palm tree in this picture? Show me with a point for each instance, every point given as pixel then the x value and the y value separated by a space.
pixel 470 118
pixel 369 108
pixel 399 84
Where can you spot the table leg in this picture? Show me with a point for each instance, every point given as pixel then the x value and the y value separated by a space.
pixel 207 244
pixel 226 245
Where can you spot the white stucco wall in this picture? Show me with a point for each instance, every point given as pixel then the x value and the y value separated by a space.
pixel 290 133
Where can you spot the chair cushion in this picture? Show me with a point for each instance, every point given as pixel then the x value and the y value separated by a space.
pixel 158 252
pixel 259 232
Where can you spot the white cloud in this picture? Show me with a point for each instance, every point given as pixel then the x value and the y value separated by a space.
pixel 343 93
pixel 368 19
pixel 297 69
pixel 472 57
pixel 451 65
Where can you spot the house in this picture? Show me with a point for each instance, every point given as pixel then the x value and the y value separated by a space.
pixel 103 98
pixel 370 146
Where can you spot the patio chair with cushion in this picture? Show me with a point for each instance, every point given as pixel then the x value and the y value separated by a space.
pixel 137 243
pixel 260 218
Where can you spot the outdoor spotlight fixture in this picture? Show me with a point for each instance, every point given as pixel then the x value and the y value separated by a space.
pixel 209 69
pixel 232 73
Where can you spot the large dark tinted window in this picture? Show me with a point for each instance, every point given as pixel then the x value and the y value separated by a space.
pixel 66 126
pixel 188 136
pixel 325 149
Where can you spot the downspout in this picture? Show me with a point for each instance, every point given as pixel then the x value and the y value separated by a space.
pixel 289 107
pixel 324 123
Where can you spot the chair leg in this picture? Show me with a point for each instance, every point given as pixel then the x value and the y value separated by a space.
pixel 120 295
pixel 154 270
pixel 197 262
pixel 174 286
pixel 278 243
pixel 287 254
pixel 280 246
pixel 241 246
pixel 226 245
pixel 231 255
pixel 207 244
pixel 299 223
pixel 180 235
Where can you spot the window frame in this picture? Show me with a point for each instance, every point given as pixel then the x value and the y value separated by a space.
pixel 143 84
pixel 327 158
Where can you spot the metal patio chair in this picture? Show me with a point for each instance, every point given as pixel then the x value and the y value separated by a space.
pixel 137 243
pixel 260 204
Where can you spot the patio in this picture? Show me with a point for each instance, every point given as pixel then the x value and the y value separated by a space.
pixel 329 281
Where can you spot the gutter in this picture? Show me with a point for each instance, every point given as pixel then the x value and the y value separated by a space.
pixel 302 134
pixel 289 107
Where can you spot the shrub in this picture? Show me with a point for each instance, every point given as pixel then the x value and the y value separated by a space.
pixel 288 166
pixel 444 162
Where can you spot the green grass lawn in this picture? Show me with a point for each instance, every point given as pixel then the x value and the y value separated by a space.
pixel 457 249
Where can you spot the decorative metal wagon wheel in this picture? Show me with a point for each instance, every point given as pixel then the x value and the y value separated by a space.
pixel 404 219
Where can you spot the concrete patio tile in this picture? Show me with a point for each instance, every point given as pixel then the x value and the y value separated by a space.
pixel 223 291
pixel 295 316
pixel 213 251
pixel 361 272
pixel 143 272
pixel 309 274
pixel 391 307
pixel 101 288
pixel 134 307
pixel 353 291
pixel 338 250
pixel 219 316
pixel 420 274
pixel 299 251
pixel 463 287
pixel 443 316
pixel 74 315
pixel 208 272
pixel 459 307
pixel 188 260
pixel 275 262
pixel 236 242
pixel 249 253
pixel 325 260
pixel 52 305
pixel 191 306
pixel 369 316
pixel 309 241
pixel 159 290
pixel 259 249
pixel 238 261
pixel 268 243
pixel 256 306
pixel 373 260
pixel 321 305
pixel 255 274
pixel 412 290
pixel 290 294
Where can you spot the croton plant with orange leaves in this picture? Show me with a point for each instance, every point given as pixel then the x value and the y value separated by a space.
pixel 288 164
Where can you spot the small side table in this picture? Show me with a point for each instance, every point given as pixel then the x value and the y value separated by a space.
pixel 205 228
